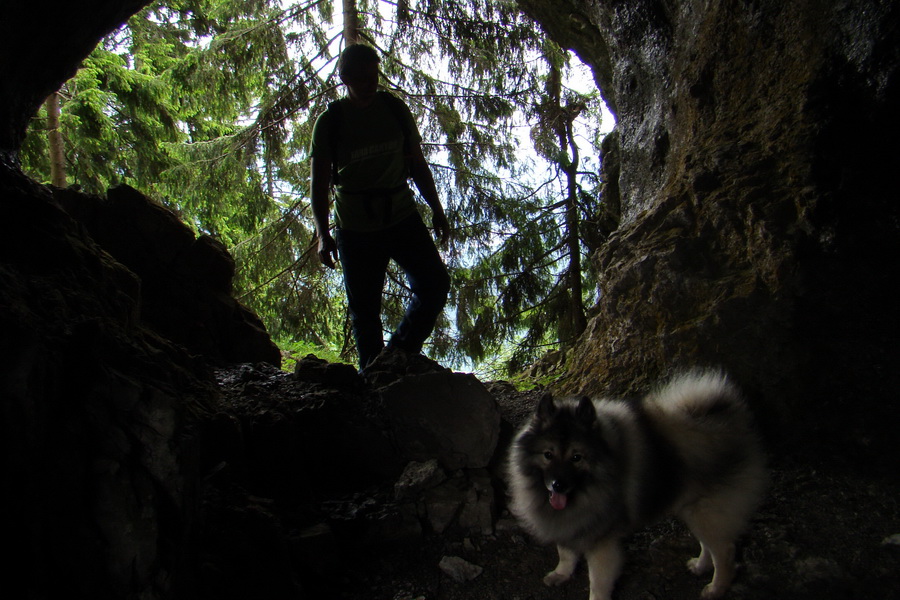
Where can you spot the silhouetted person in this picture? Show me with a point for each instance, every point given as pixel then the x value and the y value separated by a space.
pixel 366 146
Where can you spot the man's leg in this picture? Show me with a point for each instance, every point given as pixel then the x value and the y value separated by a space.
pixel 414 251
pixel 364 262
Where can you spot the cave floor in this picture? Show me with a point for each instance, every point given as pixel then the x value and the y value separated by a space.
pixel 821 534
pixel 828 528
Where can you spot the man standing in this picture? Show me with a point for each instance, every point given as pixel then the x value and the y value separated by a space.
pixel 367 145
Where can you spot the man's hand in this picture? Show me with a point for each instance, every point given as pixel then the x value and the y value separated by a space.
pixel 328 253
pixel 441 226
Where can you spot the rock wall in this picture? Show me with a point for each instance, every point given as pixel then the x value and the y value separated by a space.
pixel 752 185
pixel 100 412
pixel 97 415
pixel 185 281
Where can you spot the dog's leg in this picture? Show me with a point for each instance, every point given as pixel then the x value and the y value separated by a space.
pixel 703 563
pixel 716 552
pixel 604 565
pixel 568 559
pixel 722 553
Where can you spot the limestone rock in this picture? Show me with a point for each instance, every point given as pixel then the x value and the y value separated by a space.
pixel 418 477
pixel 753 187
pixel 392 365
pixel 443 503
pixel 459 569
pixel 478 510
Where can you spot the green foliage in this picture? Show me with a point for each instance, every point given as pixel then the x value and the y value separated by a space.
pixel 208 105
pixel 294 351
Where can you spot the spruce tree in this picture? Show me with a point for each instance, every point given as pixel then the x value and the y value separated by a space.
pixel 208 106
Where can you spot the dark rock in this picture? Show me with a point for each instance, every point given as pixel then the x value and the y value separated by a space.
pixel 246 551
pixel 392 365
pixel 98 415
pixel 185 282
pixel 443 415
pixel 209 260
pixel 304 440
pixel 335 375
pixel 316 551
pixel 478 511
pixel 443 503
pixel 393 525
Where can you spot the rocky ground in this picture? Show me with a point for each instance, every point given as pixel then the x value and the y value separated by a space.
pixel 828 529
pixel 820 535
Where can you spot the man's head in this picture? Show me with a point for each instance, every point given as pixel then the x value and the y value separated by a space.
pixel 356 56
pixel 359 72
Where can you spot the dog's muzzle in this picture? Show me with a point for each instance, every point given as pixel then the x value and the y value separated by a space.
pixel 558 497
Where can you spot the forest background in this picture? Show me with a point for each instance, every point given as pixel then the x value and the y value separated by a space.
pixel 207 106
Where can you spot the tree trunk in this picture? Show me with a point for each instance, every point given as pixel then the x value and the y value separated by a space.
pixel 351 22
pixel 574 321
pixel 57 153
pixel 578 319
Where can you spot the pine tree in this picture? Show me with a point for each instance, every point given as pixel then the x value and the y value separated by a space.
pixel 208 105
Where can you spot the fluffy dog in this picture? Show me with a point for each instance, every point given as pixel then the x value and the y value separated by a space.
pixel 584 473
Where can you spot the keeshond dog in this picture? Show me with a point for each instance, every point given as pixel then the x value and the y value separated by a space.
pixel 585 473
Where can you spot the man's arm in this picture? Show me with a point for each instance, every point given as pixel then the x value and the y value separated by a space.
pixel 424 180
pixel 320 184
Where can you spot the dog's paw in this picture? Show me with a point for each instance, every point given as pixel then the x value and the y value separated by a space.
pixel 698 566
pixel 553 579
pixel 711 592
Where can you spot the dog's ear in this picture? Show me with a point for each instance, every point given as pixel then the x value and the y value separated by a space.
pixel 585 412
pixel 546 409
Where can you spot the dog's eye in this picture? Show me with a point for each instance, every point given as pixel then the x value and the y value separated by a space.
pixel 576 458
pixel 548 455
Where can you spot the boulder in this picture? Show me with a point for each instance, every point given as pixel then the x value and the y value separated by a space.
pixel 185 281
pixel 443 415
pixel 313 369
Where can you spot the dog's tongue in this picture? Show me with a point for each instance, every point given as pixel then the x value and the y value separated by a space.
pixel 558 501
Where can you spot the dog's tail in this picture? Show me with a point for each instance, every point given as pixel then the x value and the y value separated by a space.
pixel 698 394
pixel 704 417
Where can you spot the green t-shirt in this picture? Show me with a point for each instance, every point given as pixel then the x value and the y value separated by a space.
pixel 371 193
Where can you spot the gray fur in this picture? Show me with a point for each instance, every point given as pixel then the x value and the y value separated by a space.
pixel 583 478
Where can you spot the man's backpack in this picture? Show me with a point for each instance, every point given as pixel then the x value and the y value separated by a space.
pixel 396 107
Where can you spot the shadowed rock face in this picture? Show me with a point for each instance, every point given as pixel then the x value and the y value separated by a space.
pixel 185 281
pixel 97 419
pixel 750 174
pixel 41 47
